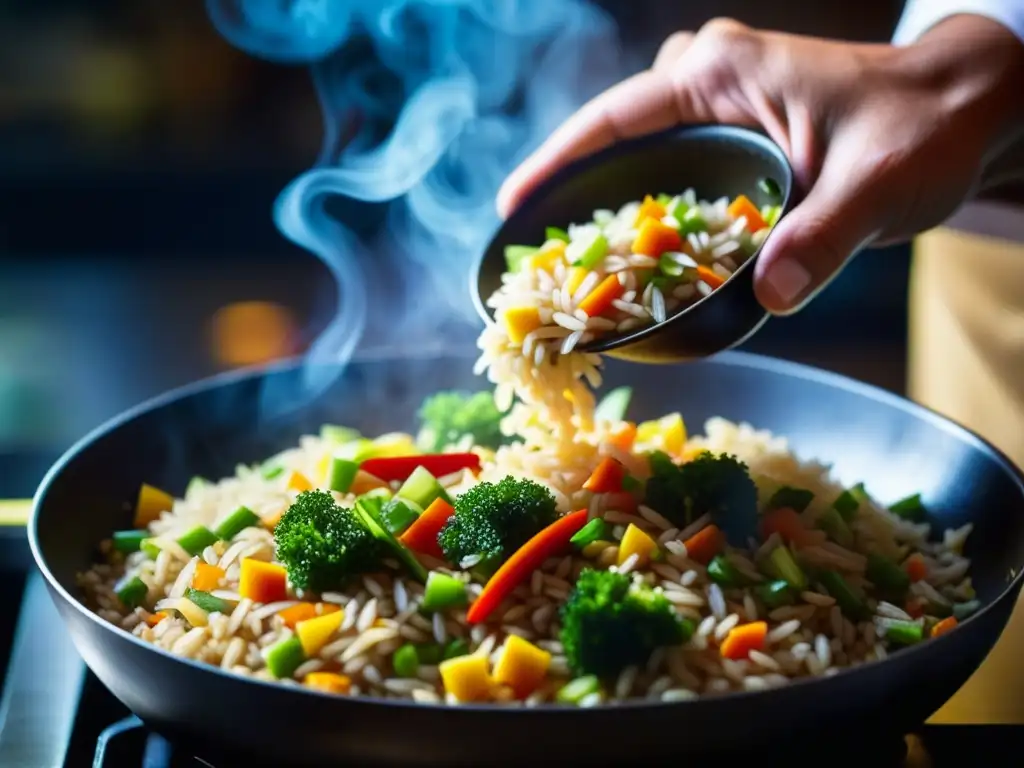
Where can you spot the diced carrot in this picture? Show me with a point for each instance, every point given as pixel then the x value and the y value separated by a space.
pixel 705 544
pixel 710 277
pixel 599 300
pixel 649 209
pixel 787 523
pixel 743 639
pixel 299 482
pixel 523 562
pixel 742 206
pixel 623 436
pixel 152 619
pixel 606 477
pixel 151 503
pixel 944 626
pixel 296 613
pixel 328 682
pixel 655 238
pixel 262 582
pixel 916 568
pixel 421 536
pixel 206 577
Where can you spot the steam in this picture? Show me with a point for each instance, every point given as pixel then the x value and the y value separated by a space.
pixel 427 105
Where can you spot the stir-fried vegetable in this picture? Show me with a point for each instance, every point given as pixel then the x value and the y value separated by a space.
pixel 129 541
pixel 741 207
pixel 522 666
pixel 636 542
pixel 613 406
pixel 443 592
pixel 151 503
pixel 196 539
pixel 421 535
pixel 595 530
pixel 743 639
pixel 235 523
pixel 449 418
pixel 438 464
pixel 262 582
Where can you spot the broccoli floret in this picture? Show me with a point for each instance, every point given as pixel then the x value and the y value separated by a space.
pixel 611 622
pixel 323 544
pixel 446 419
pixel 492 520
pixel 718 484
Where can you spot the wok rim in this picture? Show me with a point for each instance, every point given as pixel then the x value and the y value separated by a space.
pixel 747 360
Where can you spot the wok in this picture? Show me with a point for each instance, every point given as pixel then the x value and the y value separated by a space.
pixel 896 447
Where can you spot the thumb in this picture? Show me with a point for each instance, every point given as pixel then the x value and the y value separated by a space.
pixel 810 245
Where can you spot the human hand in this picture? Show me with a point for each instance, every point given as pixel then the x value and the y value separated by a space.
pixel 885 141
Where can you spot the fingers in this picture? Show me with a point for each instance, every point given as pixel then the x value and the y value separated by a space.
pixel 645 103
pixel 671 50
pixel 812 243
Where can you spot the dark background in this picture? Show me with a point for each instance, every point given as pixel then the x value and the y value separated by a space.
pixel 140 155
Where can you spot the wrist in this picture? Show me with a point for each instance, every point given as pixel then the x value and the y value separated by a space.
pixel 975 66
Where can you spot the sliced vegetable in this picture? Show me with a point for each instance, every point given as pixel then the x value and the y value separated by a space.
pixel 795 498
pixel 151 503
pixel 705 544
pixel 337 435
pixel 522 666
pixel 284 657
pixel 786 522
pixel 910 508
pixel 742 207
pixel 832 523
pixel 398 514
pixel 775 594
pixel 208 602
pixel 262 582
pixel 599 300
pixel 293 614
pixel 709 276
pixel 191 612
pixel 131 592
pixel 846 504
pixel 443 592
pixel 947 624
pixel 405 661
pixel 635 541
pixel 298 482
pixel 904 633
pixel 421 536
pixel 528 558
pixel 595 530
pixel 587 254
pixel 888 577
pixel 376 526
pixel 649 209
pixel 456 648
pixel 328 682
pixel 195 540
pixel 421 488
pixel 574 279
pixel 724 573
pixel 849 602
pixel 520 322
pixel 770 187
pixel 677 208
pixel 515 255
pixel 467 678
pixel 670 428
pixel 787 569
pixel 437 464
pixel 150 548
pixel 606 477
pixel 341 474
pixel 313 634
pixel 916 568
pixel 743 639
pixel 206 577
pixel 556 233
pixel 613 406
pixel 575 690
pixel 236 522
pixel 692 222
pixel 129 541
pixel 654 238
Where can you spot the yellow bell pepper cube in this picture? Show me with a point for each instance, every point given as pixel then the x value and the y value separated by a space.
pixel 314 633
pixel 522 666
pixel 328 682
pixel 467 678
pixel 151 503
pixel 636 542
pixel 520 321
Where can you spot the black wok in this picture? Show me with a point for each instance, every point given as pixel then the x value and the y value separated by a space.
pixel 896 447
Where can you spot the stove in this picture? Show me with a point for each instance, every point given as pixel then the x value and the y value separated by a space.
pixel 56 714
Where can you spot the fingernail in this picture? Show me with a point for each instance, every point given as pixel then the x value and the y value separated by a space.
pixel 788 279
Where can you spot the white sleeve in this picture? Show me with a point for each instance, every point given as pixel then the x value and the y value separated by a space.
pixel 921 15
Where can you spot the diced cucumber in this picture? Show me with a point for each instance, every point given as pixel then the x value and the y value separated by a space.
pixel 832 523
pixel 443 592
pixel 399 514
pixel 587 254
pixel 613 406
pixel 886 575
pixel 195 540
pixel 787 569
pixel 516 255
pixel 775 594
pixel 849 602
pixel 692 222
pixel 284 657
pixel 150 548
pixel 129 541
pixel 421 488
pixel 574 691
pixel 236 522
pixel 341 474
pixel 131 592
pixel 375 525
pixel 336 435
pixel 677 209
pixel 208 602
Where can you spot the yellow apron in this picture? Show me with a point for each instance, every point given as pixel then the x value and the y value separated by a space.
pixel 967 362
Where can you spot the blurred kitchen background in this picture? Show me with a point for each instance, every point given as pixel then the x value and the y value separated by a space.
pixel 141 153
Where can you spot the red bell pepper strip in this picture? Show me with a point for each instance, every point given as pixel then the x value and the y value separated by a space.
pixel 524 561
pixel 437 464
pixel 421 536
